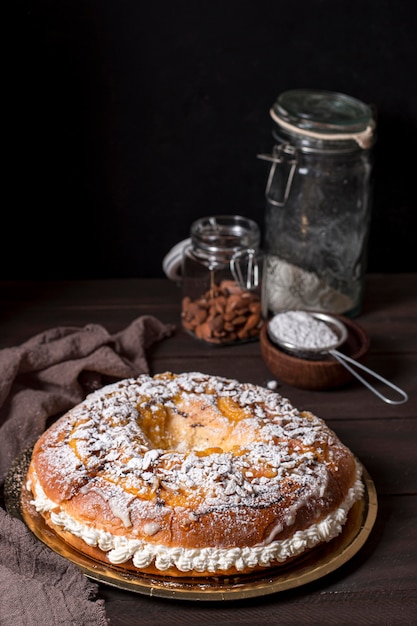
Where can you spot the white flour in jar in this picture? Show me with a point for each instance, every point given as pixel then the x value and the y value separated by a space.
pixel 290 287
pixel 302 330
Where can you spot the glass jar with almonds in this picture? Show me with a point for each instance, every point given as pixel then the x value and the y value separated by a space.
pixel 221 277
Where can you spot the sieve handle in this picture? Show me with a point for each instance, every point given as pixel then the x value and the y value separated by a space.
pixel 343 359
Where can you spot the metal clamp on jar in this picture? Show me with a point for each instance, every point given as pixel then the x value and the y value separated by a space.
pixel 221 279
pixel 318 202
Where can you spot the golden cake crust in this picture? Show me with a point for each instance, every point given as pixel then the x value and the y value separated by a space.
pixel 191 474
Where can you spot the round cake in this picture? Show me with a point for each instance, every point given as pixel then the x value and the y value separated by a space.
pixel 192 475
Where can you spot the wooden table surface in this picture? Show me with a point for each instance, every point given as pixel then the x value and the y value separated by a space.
pixel 378 585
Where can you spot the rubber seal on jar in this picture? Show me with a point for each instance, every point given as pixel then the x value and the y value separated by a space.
pixel 363 139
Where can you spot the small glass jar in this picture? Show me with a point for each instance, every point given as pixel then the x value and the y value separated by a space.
pixel 222 280
pixel 318 202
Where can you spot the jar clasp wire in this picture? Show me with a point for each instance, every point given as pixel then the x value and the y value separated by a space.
pixel 251 270
pixel 280 155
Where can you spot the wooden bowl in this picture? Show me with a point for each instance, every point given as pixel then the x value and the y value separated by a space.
pixel 327 373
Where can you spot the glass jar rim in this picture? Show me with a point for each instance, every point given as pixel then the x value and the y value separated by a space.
pixel 225 233
pixel 325 116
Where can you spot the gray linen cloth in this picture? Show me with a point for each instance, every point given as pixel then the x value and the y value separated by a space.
pixel 39 380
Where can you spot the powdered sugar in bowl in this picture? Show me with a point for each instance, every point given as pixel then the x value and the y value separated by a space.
pixel 309 335
pixel 316 336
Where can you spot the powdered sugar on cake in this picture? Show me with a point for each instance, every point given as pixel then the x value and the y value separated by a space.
pixel 232 459
pixel 209 559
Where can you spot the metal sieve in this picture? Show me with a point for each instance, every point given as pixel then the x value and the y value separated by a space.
pixel 341 333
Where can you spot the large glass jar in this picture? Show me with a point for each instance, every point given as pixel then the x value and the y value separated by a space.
pixel 222 280
pixel 318 202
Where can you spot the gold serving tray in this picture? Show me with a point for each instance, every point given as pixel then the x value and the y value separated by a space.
pixel 305 569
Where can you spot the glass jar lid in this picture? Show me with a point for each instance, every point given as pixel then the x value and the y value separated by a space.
pixel 324 115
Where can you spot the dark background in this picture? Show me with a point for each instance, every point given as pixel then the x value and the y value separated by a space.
pixel 131 119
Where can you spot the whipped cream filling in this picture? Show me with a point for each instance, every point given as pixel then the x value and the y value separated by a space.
pixel 209 559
